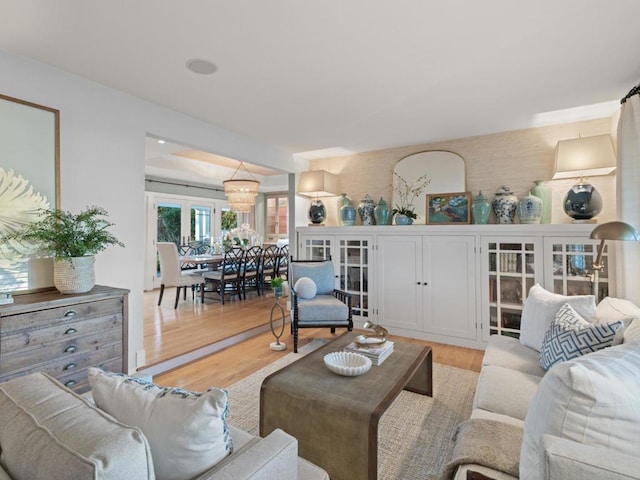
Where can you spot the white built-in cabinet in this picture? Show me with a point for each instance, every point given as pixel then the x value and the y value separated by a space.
pixel 454 284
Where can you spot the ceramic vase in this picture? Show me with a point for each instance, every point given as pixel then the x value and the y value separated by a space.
pixel 480 209
pixel 543 192
pixel 317 212
pixel 504 205
pixel 381 212
pixel 365 210
pixel 400 219
pixel 74 274
pixel 348 215
pixel 530 209
pixel 341 202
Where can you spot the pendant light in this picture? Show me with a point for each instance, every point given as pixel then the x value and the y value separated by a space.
pixel 241 193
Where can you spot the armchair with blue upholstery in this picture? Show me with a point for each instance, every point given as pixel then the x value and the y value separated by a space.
pixel 314 301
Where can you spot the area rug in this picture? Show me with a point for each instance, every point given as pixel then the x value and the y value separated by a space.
pixel 415 435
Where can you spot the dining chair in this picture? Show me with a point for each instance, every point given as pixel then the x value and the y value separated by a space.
pixel 227 279
pixel 282 268
pixel 173 276
pixel 251 261
pixel 269 265
pixel 314 301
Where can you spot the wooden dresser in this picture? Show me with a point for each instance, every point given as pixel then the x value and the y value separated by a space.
pixel 63 335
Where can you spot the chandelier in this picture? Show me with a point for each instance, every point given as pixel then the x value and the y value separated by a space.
pixel 241 193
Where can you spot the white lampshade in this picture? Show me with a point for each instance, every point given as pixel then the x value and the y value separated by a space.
pixel 317 183
pixel 584 157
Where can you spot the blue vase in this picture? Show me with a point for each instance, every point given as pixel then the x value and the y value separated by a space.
pixel 341 202
pixel 381 212
pixel 348 215
pixel 543 192
pixel 480 209
pixel 400 219
pixel 365 210
pixel 530 209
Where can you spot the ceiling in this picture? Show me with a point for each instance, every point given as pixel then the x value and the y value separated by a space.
pixel 352 75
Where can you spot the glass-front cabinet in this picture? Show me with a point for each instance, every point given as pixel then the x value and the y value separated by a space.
pixel 572 266
pixel 350 256
pixel 513 266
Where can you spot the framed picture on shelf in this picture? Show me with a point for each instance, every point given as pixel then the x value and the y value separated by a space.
pixel 448 208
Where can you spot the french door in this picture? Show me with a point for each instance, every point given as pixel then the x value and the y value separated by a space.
pixel 181 220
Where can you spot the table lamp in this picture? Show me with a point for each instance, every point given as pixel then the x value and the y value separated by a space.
pixel 609 231
pixel 317 183
pixel 581 158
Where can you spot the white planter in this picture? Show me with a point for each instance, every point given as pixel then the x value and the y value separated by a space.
pixel 75 274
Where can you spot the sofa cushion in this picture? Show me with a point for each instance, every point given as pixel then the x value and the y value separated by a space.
pixel 320 272
pixel 505 391
pixel 322 308
pixel 187 431
pixel 613 309
pixel 592 400
pixel 508 352
pixel 632 332
pixel 49 432
pixel 540 309
pixel 571 336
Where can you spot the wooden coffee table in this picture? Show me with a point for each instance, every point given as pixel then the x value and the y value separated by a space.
pixel 335 418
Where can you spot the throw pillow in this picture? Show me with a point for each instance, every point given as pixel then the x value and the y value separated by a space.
pixel 591 400
pixel 540 308
pixel 612 309
pixel 632 332
pixel 305 288
pixel 187 432
pixel 571 336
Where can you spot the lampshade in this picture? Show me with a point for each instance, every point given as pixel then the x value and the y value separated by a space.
pixel 615 231
pixel 317 183
pixel 584 157
pixel 241 193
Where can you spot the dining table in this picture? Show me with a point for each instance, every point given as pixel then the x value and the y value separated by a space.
pixel 211 261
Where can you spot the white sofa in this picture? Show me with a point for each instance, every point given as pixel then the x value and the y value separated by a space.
pixel 578 420
pixel 49 432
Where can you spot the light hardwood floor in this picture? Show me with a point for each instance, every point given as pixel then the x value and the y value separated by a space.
pixel 169 333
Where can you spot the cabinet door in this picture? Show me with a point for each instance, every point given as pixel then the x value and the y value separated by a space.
pixel 312 247
pixel 399 281
pixel 352 262
pixel 449 298
pixel 568 267
pixel 510 267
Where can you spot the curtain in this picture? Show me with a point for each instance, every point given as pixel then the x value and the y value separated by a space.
pixel 628 197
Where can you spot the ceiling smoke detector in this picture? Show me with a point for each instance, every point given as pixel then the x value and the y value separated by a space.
pixel 201 67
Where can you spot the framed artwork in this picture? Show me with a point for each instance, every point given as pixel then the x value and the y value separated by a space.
pixel 29 181
pixel 448 208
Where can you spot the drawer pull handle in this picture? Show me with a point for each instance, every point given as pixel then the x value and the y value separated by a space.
pixel 70 313
pixel 70 384
pixel 71 349
pixel 70 331
pixel 71 366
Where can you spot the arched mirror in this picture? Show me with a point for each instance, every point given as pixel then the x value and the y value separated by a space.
pixel 446 170
pixel 29 180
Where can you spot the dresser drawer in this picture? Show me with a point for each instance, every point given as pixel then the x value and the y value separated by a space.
pixel 57 351
pixel 71 363
pixel 35 338
pixel 56 315
pixel 78 380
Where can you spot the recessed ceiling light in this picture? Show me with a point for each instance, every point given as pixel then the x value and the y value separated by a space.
pixel 160 141
pixel 201 67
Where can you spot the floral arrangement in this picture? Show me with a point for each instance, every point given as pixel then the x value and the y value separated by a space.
pixel 407 192
pixel 242 236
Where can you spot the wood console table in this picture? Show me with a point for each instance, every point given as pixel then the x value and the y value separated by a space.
pixel 335 418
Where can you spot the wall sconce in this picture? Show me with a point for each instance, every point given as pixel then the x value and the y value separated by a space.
pixel 241 193
pixel 580 158
pixel 609 231
pixel 317 183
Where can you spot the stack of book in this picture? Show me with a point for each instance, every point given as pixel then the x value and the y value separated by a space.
pixel 376 354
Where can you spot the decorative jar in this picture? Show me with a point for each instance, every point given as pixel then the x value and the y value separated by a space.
pixel 480 209
pixel 348 215
pixel 365 210
pixel 530 209
pixel 401 219
pixel 341 202
pixel 381 212
pixel 504 205
pixel 543 192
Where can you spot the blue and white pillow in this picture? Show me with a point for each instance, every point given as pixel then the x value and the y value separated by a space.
pixel 187 431
pixel 571 336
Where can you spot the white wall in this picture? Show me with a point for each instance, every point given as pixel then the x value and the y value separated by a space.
pixel 102 142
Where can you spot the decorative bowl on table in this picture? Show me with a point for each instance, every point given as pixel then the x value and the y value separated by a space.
pixel 349 364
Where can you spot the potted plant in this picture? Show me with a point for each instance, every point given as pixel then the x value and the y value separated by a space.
pixel 276 285
pixel 404 213
pixel 72 240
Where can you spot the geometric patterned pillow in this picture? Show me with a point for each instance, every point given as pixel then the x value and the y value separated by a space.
pixel 571 336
